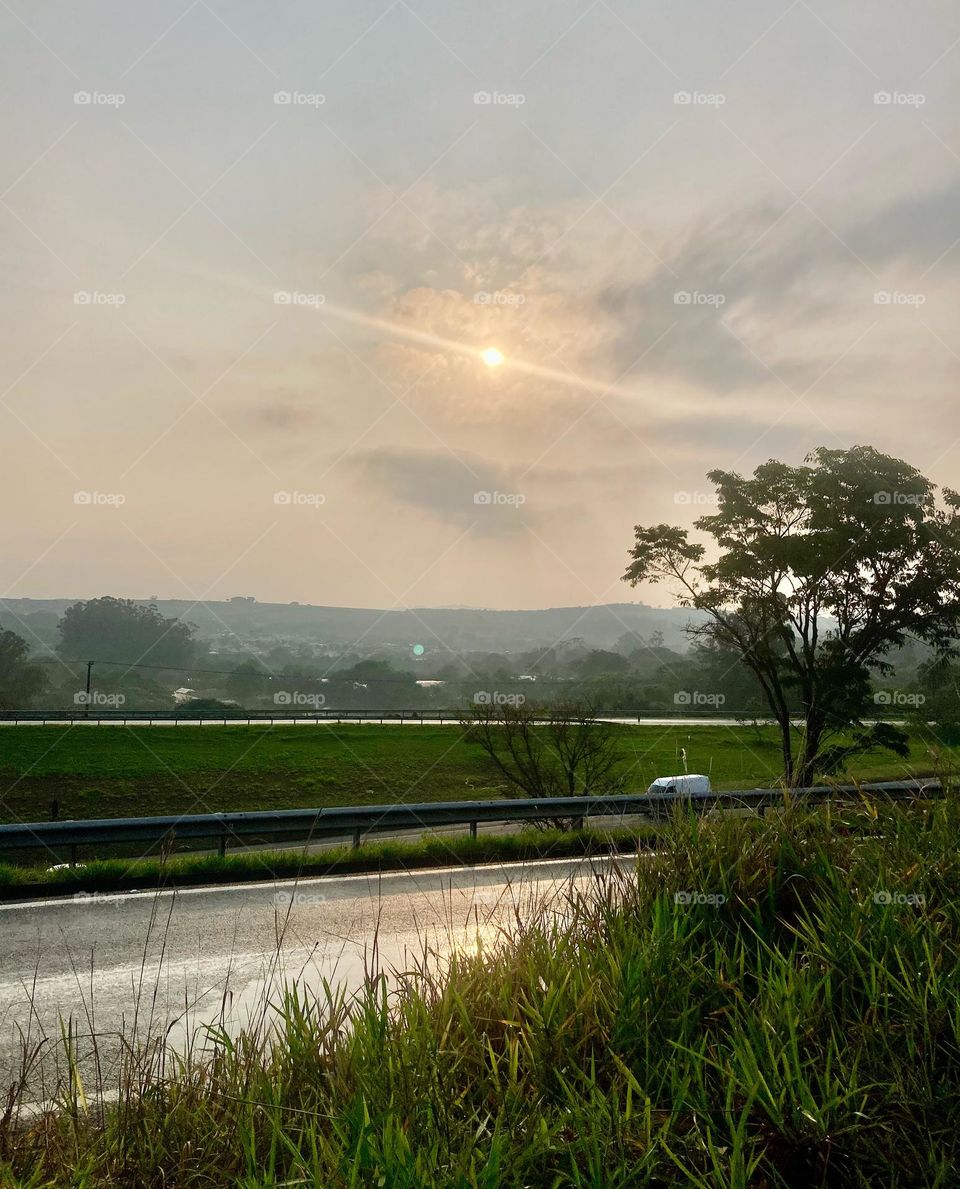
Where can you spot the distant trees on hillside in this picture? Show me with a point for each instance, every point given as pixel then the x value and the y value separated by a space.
pixel 20 680
pixel 110 629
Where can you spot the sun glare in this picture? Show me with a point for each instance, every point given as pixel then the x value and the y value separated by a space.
pixel 492 357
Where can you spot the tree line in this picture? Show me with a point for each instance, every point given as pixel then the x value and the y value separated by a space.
pixel 817 587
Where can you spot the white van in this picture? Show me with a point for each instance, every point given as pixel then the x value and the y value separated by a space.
pixel 684 785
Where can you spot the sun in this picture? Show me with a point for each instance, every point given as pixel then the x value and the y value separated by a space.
pixel 492 357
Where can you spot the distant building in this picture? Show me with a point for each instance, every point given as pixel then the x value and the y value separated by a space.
pixel 527 677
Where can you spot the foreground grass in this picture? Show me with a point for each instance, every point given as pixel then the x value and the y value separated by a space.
pixel 127 875
pixel 765 1003
pixel 120 771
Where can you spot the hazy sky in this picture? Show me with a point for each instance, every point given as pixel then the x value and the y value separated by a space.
pixel 171 426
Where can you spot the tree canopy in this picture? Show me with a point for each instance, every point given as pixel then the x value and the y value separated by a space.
pixel 815 573
pixel 109 629
pixel 20 681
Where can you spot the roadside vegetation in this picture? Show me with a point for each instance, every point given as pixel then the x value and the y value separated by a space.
pixel 138 875
pixel 765 1002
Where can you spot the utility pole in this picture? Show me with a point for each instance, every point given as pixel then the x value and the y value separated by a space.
pixel 86 701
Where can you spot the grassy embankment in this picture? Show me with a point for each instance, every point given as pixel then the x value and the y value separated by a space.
pixel 116 772
pixel 144 874
pixel 119 772
pixel 765 1003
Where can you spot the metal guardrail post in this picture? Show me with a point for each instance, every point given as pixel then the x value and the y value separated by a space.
pixel 473 829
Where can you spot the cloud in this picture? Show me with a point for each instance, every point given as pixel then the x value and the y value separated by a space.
pixel 763 295
pixel 282 415
pixel 916 228
pixel 461 490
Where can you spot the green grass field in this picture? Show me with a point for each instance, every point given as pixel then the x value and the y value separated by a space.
pixel 124 771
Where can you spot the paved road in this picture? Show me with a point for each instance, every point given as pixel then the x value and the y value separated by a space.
pixel 144 964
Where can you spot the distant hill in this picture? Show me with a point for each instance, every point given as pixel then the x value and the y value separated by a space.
pixel 460 628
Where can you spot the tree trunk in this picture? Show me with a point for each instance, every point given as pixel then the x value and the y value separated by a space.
pixel 813 735
pixel 787 750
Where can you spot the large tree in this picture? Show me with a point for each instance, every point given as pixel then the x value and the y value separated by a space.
pixel 815 573
pixel 109 629
pixel 20 681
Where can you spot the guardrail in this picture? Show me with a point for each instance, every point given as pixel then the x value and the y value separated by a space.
pixel 358 821
pixel 208 718
pixel 225 717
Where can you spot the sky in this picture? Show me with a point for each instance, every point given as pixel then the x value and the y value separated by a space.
pixel 253 256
